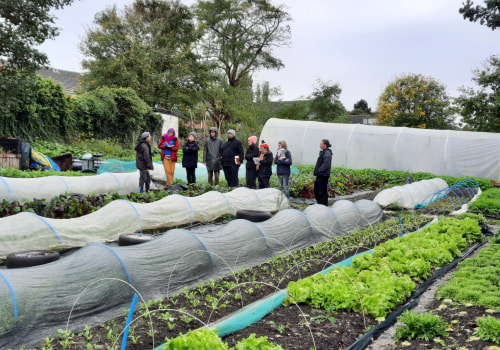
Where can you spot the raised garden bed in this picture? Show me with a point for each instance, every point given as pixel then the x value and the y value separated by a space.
pixel 214 300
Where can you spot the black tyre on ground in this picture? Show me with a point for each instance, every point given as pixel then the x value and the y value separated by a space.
pixel 31 258
pixel 126 239
pixel 253 215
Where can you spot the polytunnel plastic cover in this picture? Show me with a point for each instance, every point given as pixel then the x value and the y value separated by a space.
pixel 358 146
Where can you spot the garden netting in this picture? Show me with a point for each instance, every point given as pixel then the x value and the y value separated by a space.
pixel 98 282
pixel 407 196
pixel 48 187
pixel 358 146
pixel 25 231
pixel 113 176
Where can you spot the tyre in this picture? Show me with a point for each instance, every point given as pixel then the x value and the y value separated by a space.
pixel 253 215
pixel 31 258
pixel 126 239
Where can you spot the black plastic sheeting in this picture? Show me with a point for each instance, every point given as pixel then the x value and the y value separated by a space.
pixel 375 332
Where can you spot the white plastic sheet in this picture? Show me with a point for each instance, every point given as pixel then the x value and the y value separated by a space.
pixel 358 146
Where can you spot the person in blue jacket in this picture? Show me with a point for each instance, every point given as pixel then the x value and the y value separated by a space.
pixel 283 161
pixel 190 150
pixel 322 171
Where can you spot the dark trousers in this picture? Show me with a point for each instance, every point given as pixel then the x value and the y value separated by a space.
pixel 191 174
pixel 231 175
pixel 211 180
pixel 264 181
pixel 321 190
pixel 144 181
pixel 251 177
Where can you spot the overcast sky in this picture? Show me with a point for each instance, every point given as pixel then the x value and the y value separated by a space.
pixel 360 44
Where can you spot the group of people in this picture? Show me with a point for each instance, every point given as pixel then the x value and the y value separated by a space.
pixel 228 156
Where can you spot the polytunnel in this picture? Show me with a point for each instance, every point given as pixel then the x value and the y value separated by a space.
pixel 25 231
pixel 97 282
pixel 407 196
pixel 358 146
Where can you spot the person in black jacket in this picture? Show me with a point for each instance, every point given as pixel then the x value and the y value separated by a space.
pixel 232 156
pixel 144 161
pixel 322 171
pixel 264 168
pixel 190 150
pixel 251 169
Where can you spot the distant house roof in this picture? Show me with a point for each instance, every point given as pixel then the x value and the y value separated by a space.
pixel 362 119
pixel 69 80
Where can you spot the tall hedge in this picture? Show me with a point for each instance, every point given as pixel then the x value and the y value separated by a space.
pixel 39 109
pixel 115 113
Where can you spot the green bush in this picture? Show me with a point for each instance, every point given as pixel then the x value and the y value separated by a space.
pixel 488 329
pixel 425 326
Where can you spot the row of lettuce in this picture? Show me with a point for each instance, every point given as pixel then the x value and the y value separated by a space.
pixel 379 281
pixel 475 283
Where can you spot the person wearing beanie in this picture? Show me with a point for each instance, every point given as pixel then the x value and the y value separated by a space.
pixel 169 144
pixel 251 154
pixel 283 161
pixel 264 167
pixel 144 161
pixel 212 153
pixel 322 171
pixel 190 157
pixel 232 157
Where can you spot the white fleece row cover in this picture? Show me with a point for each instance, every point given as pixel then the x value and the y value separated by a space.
pixel 98 280
pixel 408 195
pixel 26 231
pixel 358 146
pixel 48 187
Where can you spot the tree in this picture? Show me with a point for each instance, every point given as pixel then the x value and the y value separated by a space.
pixel 238 39
pixel 26 24
pixel 239 36
pixel 147 48
pixel 297 110
pixel 325 101
pixel 414 100
pixel 488 15
pixel 481 109
pixel 23 26
pixel 361 107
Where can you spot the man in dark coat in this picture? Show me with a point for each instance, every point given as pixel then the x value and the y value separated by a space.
pixel 232 157
pixel 144 161
pixel 322 171
pixel 212 153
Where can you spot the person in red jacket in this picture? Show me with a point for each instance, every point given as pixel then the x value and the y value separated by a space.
pixel 169 144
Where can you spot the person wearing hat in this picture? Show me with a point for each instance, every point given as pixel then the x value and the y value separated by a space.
pixel 264 167
pixel 232 156
pixel 169 144
pixel 144 161
pixel 212 153
pixel 322 171
pixel 190 157
pixel 251 166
